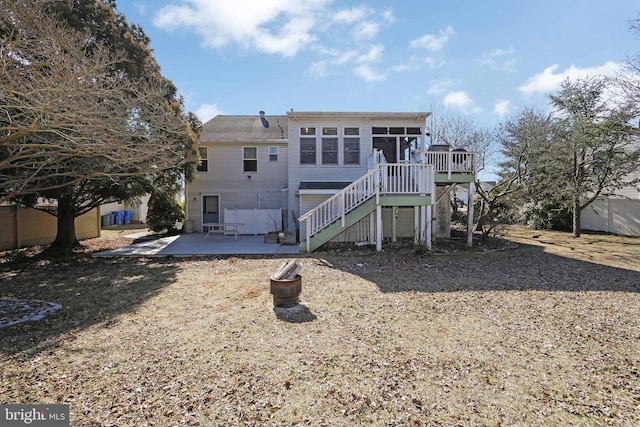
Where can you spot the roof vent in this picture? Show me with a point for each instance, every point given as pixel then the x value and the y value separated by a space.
pixel 265 123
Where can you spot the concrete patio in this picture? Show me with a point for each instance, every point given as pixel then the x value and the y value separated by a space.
pixel 195 244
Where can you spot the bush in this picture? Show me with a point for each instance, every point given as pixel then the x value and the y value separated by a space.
pixel 164 213
pixel 548 215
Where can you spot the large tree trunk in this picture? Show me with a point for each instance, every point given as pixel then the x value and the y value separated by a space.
pixel 577 211
pixel 66 234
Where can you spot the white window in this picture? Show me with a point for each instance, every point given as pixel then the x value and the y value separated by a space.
pixel 273 154
pixel 351 146
pixel 203 166
pixel 307 146
pixel 330 146
pixel 250 159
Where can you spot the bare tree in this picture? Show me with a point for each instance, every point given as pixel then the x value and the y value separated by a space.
pixel 629 81
pixel 460 131
pixel 75 128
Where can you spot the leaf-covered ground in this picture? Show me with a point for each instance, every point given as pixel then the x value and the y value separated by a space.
pixel 542 332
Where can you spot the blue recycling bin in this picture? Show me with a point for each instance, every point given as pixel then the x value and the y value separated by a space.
pixel 118 217
pixel 128 215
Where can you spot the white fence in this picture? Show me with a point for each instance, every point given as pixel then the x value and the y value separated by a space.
pixel 617 216
pixel 255 221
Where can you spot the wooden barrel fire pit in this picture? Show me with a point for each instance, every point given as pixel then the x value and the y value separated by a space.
pixel 286 292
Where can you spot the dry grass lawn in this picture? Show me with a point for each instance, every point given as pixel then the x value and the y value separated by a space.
pixel 544 332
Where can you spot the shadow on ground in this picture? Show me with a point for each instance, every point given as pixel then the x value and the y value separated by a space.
pixel 516 267
pixel 90 291
pixel 298 313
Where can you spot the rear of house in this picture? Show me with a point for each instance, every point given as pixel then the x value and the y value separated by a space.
pixel 327 176
pixel 242 177
pixel 330 150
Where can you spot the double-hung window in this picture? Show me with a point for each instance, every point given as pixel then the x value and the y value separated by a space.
pixel 273 154
pixel 203 166
pixel 250 159
pixel 330 146
pixel 307 146
pixel 351 146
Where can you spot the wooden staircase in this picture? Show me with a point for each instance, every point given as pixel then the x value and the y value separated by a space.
pixel 387 184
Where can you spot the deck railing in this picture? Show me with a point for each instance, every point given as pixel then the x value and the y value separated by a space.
pixel 451 161
pixel 385 178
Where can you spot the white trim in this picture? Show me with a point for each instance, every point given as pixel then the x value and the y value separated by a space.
pixel 318 191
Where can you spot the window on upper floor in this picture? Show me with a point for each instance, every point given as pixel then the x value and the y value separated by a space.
pixel 351 146
pixel 330 146
pixel 307 146
pixel 203 166
pixel 307 151
pixel 250 159
pixel 273 154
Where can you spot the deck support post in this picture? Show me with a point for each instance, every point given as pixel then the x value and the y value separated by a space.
pixel 378 228
pixel 394 224
pixel 372 228
pixel 416 225
pixel 429 224
pixel 470 214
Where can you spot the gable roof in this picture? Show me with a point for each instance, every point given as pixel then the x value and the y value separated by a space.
pixel 245 128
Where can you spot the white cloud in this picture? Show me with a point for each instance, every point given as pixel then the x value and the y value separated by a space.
pixel 373 55
pixel 500 59
pixel 319 69
pixel 366 22
pixel 366 30
pixel 273 26
pixel 410 65
pixel 432 42
pixel 458 99
pixel 502 107
pixel 439 87
pixel 550 79
pixel 344 57
pixel 349 16
pixel 208 111
pixel 284 27
pixel 368 74
pixel 434 63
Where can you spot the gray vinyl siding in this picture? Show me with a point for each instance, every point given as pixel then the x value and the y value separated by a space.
pixel 226 179
pixel 318 172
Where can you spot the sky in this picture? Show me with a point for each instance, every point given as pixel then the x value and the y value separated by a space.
pixel 487 60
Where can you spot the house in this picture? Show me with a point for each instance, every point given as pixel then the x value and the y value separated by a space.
pixel 242 177
pixel 139 210
pixel 334 176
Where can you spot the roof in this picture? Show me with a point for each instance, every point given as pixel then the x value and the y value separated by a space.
pixel 419 116
pixel 245 128
pixel 324 185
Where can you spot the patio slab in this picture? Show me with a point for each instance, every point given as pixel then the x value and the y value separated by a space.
pixel 196 244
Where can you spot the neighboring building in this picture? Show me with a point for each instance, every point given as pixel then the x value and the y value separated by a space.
pixel 139 208
pixel 618 214
pixel 333 176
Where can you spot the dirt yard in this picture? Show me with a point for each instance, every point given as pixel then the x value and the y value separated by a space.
pixel 542 330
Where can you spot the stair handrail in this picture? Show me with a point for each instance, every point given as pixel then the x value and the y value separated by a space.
pixel 340 204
